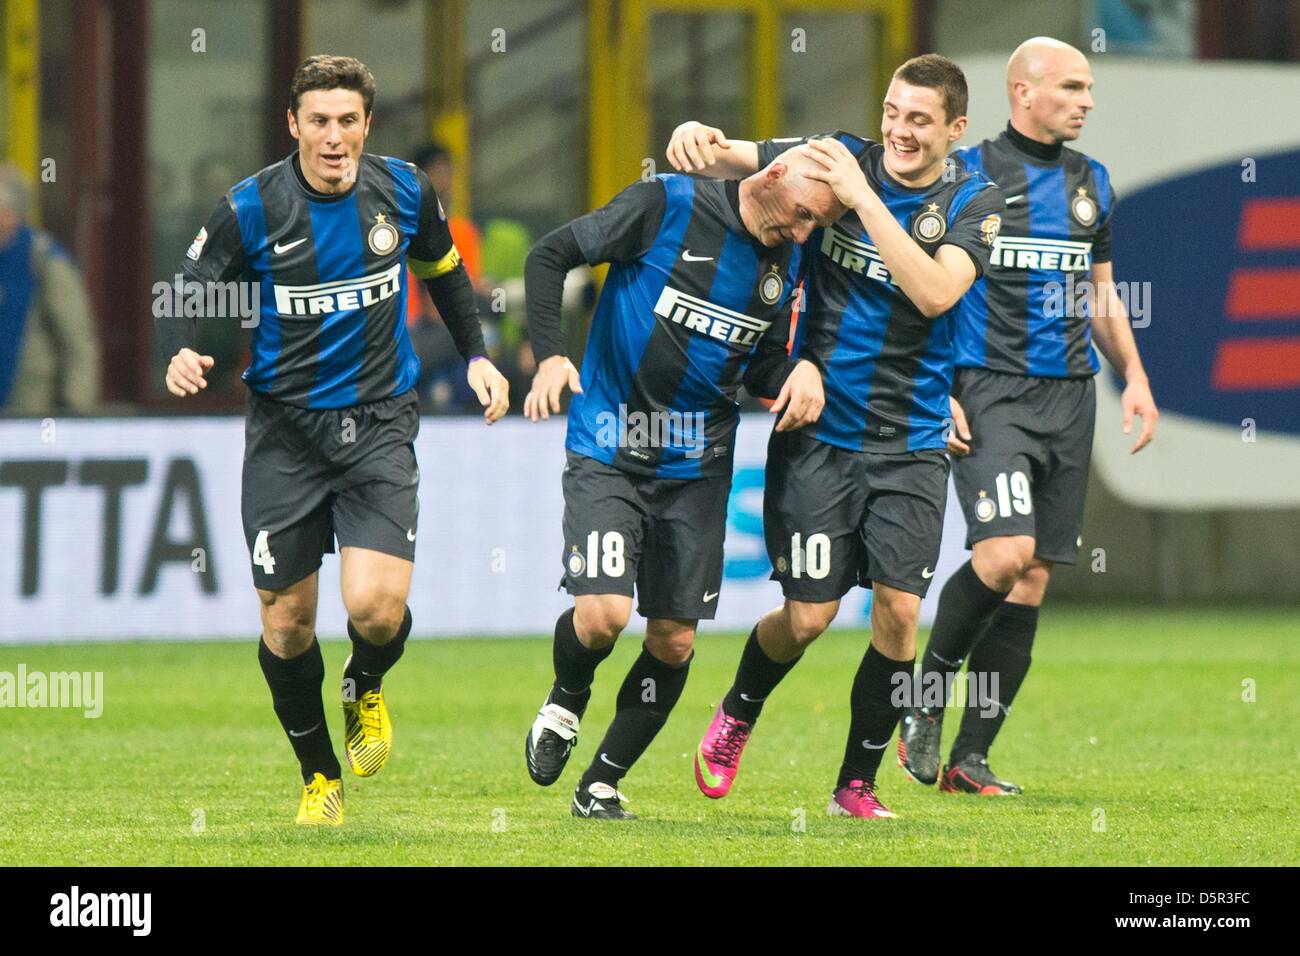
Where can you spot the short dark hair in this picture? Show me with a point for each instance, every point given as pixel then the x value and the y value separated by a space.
pixel 937 72
pixel 324 72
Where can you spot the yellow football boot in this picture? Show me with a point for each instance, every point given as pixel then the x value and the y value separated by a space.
pixel 367 731
pixel 322 803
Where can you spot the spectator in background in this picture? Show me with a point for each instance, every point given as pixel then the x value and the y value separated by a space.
pixel 494 259
pixel 49 354
pixel 440 386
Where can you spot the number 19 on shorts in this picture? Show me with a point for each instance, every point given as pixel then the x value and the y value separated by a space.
pixel 812 558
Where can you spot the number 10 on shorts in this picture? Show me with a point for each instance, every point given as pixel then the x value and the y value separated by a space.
pixel 814 559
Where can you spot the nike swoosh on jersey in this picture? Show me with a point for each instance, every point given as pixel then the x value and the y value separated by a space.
pixel 709 597
pixel 1014 199
pixel 687 257
pixel 927 573
pixel 288 245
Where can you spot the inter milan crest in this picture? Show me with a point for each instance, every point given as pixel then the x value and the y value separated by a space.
pixel 985 509
pixel 1083 208
pixel 577 563
pixel 769 287
pixel 930 225
pixel 383 236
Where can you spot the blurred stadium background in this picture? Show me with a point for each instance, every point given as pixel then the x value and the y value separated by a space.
pixel 129 118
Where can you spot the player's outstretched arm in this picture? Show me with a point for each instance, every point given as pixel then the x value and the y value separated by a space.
pixel 185 372
pixel 1114 336
pixel 934 284
pixel 705 150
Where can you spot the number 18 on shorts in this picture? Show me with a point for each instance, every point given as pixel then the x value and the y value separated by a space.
pixel 662 535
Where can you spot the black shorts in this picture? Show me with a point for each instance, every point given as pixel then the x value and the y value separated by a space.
pixel 313 475
pixel 665 534
pixel 833 518
pixel 1027 473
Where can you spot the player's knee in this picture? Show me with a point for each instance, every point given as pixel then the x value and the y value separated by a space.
pixel 1001 562
pixel 376 613
pixel 599 623
pixel 288 625
pixel 1032 586
pixel 894 617
pixel 807 622
pixel 670 641
pixel 286 609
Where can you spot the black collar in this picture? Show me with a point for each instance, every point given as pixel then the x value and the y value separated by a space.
pixel 1043 152
pixel 731 187
pixel 295 163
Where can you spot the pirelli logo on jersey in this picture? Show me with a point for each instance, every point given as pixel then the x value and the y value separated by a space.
pixel 1026 252
pixel 700 315
pixel 854 254
pixel 327 297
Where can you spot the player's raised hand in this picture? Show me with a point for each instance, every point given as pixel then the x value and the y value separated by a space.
pixel 839 169
pixel 491 387
pixel 959 433
pixel 548 385
pixel 691 148
pixel 1138 400
pixel 185 372
pixel 801 397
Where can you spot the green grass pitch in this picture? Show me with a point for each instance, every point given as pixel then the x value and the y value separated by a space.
pixel 1131 738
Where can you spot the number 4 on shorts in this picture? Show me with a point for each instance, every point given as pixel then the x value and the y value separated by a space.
pixel 262 552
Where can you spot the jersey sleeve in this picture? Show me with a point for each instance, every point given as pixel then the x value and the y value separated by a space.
pixel 976 226
pixel 625 227
pixel 770 149
pixel 431 253
pixel 215 255
pixel 1101 244
pixel 217 252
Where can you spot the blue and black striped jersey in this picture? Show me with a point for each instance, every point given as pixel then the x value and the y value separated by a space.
pixel 1024 316
pixel 332 277
pixel 691 301
pixel 887 367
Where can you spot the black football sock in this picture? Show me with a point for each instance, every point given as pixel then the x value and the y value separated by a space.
pixel 999 664
pixel 575 666
pixel 649 693
pixel 295 692
pixel 756 678
pixel 370 662
pixel 965 605
pixel 875 709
